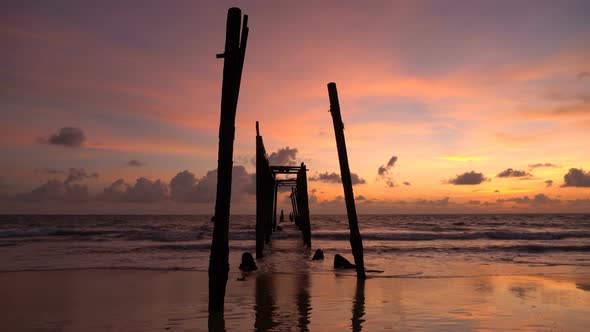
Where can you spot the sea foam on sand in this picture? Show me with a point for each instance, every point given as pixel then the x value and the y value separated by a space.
pixel 140 300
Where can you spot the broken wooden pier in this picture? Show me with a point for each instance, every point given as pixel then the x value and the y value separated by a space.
pixel 267 189
pixel 270 179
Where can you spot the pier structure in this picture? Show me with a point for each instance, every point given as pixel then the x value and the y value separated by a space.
pixel 268 177
pixel 268 184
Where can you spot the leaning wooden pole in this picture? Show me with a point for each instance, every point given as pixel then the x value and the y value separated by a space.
pixel 232 72
pixel 356 241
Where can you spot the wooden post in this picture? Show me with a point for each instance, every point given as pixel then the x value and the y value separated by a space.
pixel 274 210
pixel 260 230
pixel 356 241
pixel 295 207
pixel 304 204
pixel 232 72
pixel 268 201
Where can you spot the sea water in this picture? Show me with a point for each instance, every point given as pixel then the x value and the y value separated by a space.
pixel 398 245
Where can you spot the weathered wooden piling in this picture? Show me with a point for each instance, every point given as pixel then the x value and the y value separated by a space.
pixel 356 241
pixel 294 204
pixel 235 48
pixel 267 188
pixel 259 201
pixel 274 207
pixel 303 204
pixel 265 191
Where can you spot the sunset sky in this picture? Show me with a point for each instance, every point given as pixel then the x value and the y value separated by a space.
pixel 448 106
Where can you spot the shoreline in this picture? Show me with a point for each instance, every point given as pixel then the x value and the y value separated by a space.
pixel 142 300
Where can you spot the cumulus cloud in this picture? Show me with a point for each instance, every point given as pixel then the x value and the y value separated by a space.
pixel 468 178
pixel 135 163
pixel 182 186
pixel 538 199
pixel 583 74
pixel 474 202
pixel 576 178
pixel 73 174
pixel 143 191
pixel 513 173
pixel 283 157
pixel 384 171
pixel 537 165
pixel 185 187
pixel 79 174
pixel 56 190
pixel 68 136
pixel 438 202
pixel 335 178
pixel 327 177
pixel 548 183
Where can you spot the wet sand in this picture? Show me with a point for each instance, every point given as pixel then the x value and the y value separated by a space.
pixel 141 300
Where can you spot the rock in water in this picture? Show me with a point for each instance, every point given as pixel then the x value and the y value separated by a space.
pixel 342 263
pixel 318 256
pixel 248 263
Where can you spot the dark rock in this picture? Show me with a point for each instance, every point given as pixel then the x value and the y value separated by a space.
pixel 342 263
pixel 248 263
pixel 318 256
pixel 279 228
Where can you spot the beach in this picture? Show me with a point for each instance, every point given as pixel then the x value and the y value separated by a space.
pixel 440 273
pixel 139 300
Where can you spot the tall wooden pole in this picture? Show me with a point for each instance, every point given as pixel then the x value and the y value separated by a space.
pixel 304 207
pixel 356 241
pixel 232 72
pixel 260 230
pixel 274 206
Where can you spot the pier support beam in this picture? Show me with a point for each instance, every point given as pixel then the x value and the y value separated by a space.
pixel 260 229
pixel 303 205
pixel 274 207
pixel 356 241
pixel 232 73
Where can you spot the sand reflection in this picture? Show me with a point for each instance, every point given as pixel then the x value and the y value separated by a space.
pixel 149 300
pixel 303 300
pixel 358 306
pixel 265 306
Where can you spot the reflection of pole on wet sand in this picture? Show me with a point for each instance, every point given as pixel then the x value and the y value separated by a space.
pixel 303 302
pixel 216 322
pixel 265 303
pixel 358 306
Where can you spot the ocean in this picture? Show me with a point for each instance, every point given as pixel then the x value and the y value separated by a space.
pixel 421 246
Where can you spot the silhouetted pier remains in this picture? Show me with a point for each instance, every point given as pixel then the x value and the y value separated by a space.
pixel 267 189
pixel 356 241
pixel 269 181
pixel 233 62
